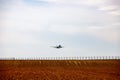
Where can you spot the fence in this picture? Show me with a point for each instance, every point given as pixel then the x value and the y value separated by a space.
pixel 66 58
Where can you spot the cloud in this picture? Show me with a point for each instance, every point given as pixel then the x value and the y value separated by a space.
pixel 60 1
pixel 94 2
pixel 116 12
pixel 87 2
pixel 21 17
pixel 116 24
pixel 109 7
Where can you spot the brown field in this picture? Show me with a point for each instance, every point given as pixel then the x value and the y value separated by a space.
pixel 59 69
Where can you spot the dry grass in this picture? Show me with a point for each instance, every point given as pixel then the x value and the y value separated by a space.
pixel 59 69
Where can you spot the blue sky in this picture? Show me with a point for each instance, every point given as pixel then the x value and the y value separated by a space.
pixel 28 28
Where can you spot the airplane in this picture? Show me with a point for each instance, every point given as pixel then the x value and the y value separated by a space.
pixel 58 47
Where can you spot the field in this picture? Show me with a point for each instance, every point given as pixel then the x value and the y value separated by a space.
pixel 59 69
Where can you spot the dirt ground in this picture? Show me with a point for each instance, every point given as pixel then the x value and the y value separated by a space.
pixel 59 69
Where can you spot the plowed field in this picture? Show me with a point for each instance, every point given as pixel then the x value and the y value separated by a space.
pixel 59 69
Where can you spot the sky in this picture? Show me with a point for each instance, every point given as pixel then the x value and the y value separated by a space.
pixel 29 28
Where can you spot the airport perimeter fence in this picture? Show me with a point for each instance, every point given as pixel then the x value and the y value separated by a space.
pixel 65 58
